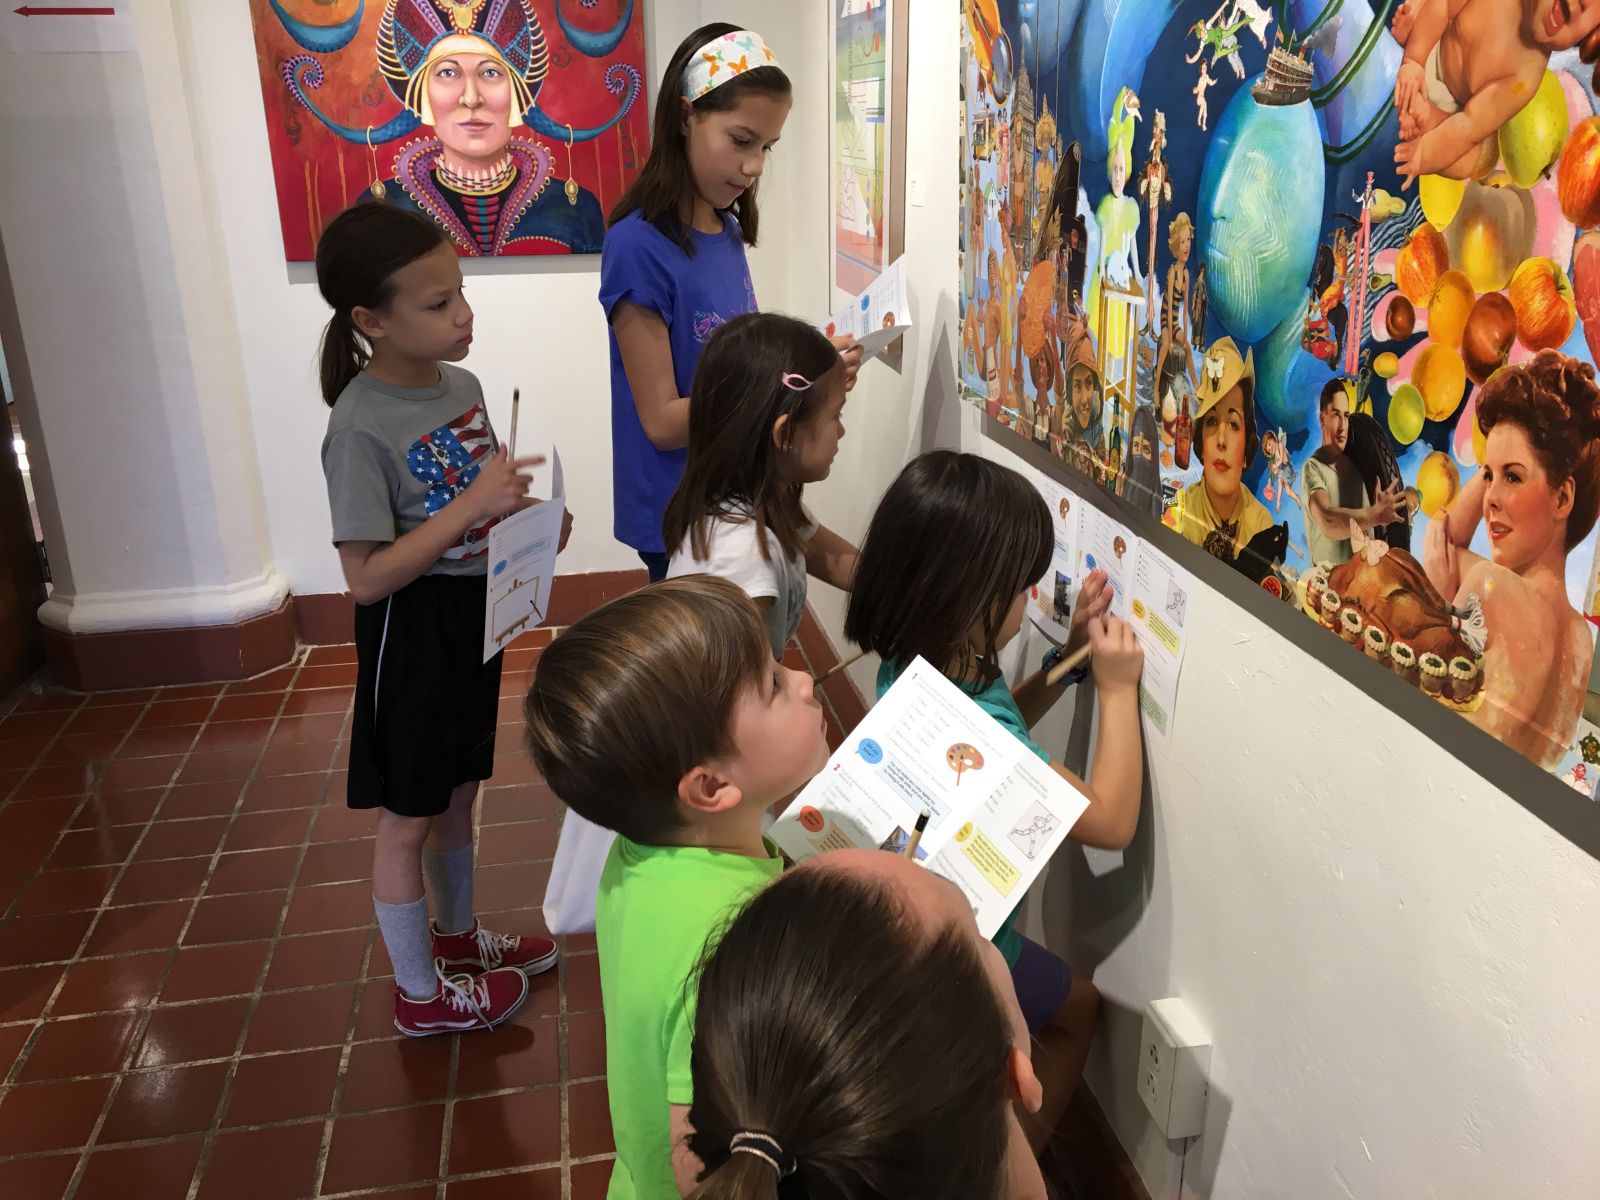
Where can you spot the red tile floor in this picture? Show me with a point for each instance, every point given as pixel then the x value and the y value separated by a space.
pixel 192 992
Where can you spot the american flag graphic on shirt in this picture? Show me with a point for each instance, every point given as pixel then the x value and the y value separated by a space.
pixel 447 460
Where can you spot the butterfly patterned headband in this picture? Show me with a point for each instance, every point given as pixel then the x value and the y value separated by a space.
pixel 722 59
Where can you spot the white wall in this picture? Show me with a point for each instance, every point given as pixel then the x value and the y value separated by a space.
pixel 1394 959
pixel 539 324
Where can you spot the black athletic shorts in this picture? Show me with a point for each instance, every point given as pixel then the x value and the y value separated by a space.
pixel 426 703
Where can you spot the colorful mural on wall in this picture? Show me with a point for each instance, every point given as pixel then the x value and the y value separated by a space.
pixel 1316 285
pixel 512 123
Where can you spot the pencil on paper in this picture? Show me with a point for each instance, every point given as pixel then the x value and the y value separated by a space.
pixel 915 839
pixel 516 403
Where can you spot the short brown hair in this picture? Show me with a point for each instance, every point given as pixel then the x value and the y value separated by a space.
pixel 1553 399
pixel 639 692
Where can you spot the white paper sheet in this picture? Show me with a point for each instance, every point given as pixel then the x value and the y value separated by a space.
pixel 1107 543
pixel 522 566
pixel 1160 595
pixel 998 813
pixel 878 315
pixel 1052 599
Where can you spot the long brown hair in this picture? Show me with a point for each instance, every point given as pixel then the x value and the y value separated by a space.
pixel 954 541
pixel 357 256
pixel 608 725
pixel 1553 399
pixel 666 181
pixel 870 1051
pixel 739 392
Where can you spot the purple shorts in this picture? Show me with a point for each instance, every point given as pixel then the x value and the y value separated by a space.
pixel 1043 983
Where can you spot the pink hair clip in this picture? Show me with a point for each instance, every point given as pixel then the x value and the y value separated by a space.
pixel 796 383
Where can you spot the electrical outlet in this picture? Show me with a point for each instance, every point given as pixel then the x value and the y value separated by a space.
pixel 1174 1059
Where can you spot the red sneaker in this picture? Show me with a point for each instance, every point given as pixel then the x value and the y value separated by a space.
pixel 462 1002
pixel 478 949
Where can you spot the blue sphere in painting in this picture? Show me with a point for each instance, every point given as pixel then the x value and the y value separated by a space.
pixel 1258 231
pixel 1288 380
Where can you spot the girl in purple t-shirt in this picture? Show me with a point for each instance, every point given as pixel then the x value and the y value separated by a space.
pixel 673 265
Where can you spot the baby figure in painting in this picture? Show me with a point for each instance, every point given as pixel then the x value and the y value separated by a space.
pixel 1469 67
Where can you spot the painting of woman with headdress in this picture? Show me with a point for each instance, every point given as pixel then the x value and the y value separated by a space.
pixel 512 123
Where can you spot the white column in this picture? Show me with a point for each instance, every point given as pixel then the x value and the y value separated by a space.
pixel 146 469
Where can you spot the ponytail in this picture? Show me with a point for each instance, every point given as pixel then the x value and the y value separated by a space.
pixel 741 1177
pixel 843 1048
pixel 343 356
pixel 357 256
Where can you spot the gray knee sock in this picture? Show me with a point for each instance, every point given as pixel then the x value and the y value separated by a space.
pixel 450 883
pixel 405 935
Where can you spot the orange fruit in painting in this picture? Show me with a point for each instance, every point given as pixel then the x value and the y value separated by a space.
pixel 1452 304
pixel 1441 377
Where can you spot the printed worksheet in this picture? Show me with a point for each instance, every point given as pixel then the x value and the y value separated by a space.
pixel 1107 543
pixel 997 812
pixel 878 315
pixel 522 566
pixel 1159 596
pixel 1050 601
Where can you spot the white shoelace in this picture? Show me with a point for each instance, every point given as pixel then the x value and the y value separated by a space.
pixel 492 947
pixel 464 993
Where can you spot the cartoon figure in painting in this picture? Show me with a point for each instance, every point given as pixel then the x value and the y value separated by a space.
pixel 1118 219
pixel 1538 493
pixel 469 74
pixel 1202 114
pixel 1328 315
pixel 1469 67
pixel 971 261
pixel 1219 514
pixel 1275 445
pixel 994 376
pixel 1255 16
pixel 1008 369
pixel 1155 188
pixel 1222 39
pixel 1175 377
pixel 1037 343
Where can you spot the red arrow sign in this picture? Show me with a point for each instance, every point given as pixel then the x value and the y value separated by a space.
pixel 28 10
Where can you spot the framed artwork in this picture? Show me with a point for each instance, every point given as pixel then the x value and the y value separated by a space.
pixel 1294 282
pixel 514 124
pixel 869 138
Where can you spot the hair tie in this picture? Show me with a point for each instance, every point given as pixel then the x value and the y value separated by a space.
pixel 795 382
pixel 722 59
pixel 765 1147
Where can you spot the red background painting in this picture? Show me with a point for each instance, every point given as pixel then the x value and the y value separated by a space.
pixel 318 173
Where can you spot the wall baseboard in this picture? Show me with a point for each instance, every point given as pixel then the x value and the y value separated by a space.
pixel 130 658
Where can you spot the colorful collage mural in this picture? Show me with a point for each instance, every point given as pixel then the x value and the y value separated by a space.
pixel 1316 284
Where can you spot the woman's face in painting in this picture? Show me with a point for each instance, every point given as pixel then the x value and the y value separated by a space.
pixel 1118 170
pixel 1140 448
pixel 471 97
pixel 1222 442
pixel 1184 243
pixel 1522 513
pixel 1084 395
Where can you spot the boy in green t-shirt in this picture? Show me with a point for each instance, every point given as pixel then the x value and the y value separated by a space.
pixel 663 716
